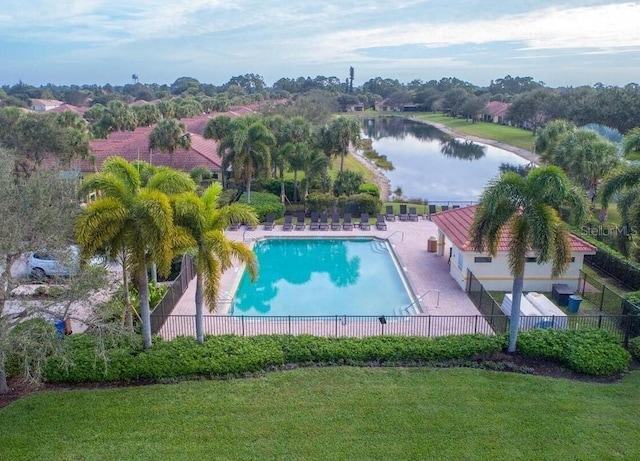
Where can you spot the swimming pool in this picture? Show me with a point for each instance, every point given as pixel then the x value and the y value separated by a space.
pixel 323 276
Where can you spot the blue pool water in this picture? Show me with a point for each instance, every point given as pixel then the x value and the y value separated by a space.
pixel 322 277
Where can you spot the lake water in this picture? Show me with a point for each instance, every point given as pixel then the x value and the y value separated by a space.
pixel 432 165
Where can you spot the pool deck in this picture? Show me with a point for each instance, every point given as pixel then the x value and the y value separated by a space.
pixel 425 271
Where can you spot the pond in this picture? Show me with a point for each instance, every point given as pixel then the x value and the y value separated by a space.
pixel 431 165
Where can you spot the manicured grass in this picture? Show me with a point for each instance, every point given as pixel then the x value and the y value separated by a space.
pixel 337 413
pixel 506 134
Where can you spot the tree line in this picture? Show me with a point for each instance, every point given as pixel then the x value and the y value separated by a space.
pixel 532 103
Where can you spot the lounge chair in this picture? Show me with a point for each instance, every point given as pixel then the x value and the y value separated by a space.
pixel 335 222
pixel 269 223
pixel 364 221
pixel 234 226
pixel 346 223
pixel 324 221
pixel 444 207
pixel 381 225
pixel 288 223
pixel 315 221
pixel 404 216
pixel 250 227
pixel 390 216
pixel 413 214
pixel 300 225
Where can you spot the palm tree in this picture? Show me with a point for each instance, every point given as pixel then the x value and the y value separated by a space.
pixel 134 219
pixel 345 132
pixel 314 163
pixel 624 183
pixel 546 138
pixel 526 209
pixel 202 224
pixel 585 157
pixel 217 129
pixel 168 136
pixel 248 146
pixel 294 154
pixel 631 142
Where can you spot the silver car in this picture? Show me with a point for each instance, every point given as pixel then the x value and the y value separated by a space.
pixel 44 264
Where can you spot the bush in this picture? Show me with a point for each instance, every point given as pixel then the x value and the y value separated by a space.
pixel 634 347
pixel 85 359
pixel 347 182
pixel 273 186
pixel 592 352
pixel 321 202
pixel 360 203
pixel 264 203
pixel 371 189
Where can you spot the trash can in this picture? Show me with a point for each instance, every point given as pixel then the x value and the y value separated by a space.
pixel 432 245
pixel 574 303
pixel 59 325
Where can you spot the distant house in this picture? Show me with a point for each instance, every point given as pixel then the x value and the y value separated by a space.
pixel 134 145
pixel 493 272
pixel 355 108
pixel 42 105
pixel 495 112
pixel 68 107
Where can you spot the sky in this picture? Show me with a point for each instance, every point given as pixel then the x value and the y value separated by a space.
pixel 561 43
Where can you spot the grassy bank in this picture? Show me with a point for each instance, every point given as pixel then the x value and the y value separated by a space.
pixel 506 134
pixel 334 413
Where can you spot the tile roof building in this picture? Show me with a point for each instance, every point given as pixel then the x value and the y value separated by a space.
pixel 493 272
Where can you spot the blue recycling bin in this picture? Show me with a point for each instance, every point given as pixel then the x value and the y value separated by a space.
pixel 574 303
pixel 59 325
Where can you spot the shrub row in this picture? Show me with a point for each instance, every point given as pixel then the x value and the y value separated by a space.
pixel 612 262
pixel 85 361
pixel 634 347
pixel 589 351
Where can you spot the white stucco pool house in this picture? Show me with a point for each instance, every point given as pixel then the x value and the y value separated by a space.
pixel 493 272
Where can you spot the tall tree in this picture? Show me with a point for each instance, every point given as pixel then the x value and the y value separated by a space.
pixel 202 223
pixel 345 132
pixel 217 128
pixel 169 136
pixel 631 142
pixel 248 146
pixel 133 217
pixel 38 211
pixel 526 210
pixel 623 183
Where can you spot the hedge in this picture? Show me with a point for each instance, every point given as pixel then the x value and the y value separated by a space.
pixel 85 358
pixel 612 262
pixel 590 351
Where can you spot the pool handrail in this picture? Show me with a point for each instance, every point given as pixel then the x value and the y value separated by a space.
pixel 394 233
pixel 419 298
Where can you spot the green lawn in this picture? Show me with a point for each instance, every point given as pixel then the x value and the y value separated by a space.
pixel 506 134
pixel 339 413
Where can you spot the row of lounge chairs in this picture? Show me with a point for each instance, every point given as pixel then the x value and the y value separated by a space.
pixel 410 213
pixel 321 221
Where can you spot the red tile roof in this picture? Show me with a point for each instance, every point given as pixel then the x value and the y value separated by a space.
pixel 496 108
pixel 455 224
pixel 134 145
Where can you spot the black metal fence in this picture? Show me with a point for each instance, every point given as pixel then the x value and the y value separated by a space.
pixel 362 326
pixel 487 306
pixel 177 288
